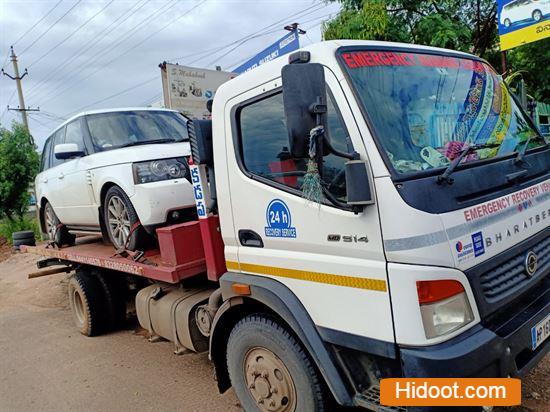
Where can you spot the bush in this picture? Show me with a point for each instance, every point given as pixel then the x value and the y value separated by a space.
pixel 7 227
pixel 18 167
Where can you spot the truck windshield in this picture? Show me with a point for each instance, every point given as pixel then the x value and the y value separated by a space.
pixel 113 130
pixel 424 109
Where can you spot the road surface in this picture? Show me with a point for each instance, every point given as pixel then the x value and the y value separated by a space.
pixel 46 365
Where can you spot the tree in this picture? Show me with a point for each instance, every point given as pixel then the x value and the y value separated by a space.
pixel 19 162
pixel 465 25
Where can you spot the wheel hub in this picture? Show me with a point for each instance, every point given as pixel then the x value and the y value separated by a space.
pixel 118 220
pixel 269 381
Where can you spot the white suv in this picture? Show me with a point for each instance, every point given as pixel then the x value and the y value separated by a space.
pixel 120 172
pixel 519 10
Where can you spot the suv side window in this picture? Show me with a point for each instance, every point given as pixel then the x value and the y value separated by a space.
pixel 57 138
pixel 73 134
pixel 45 160
pixel 264 146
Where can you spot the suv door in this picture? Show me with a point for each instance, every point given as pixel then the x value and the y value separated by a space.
pixel 330 258
pixel 78 206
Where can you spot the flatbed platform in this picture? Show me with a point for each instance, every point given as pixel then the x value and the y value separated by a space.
pixel 91 251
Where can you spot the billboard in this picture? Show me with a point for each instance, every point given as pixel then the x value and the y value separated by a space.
pixel 187 89
pixel 286 44
pixel 522 21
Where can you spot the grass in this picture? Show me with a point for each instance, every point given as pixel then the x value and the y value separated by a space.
pixel 28 222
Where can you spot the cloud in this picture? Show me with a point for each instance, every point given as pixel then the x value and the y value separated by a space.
pixel 106 56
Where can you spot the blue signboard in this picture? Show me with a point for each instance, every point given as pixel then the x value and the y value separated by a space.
pixel 522 21
pixel 287 44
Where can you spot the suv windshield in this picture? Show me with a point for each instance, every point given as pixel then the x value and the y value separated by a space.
pixel 120 129
pixel 426 108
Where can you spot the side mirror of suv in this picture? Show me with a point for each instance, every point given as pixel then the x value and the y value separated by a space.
pixel 67 151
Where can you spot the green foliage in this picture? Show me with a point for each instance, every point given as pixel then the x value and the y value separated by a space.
pixel 533 60
pixel 7 227
pixel 18 166
pixel 464 25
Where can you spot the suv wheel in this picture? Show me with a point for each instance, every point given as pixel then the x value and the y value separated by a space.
pixel 537 15
pixel 50 221
pixel 121 220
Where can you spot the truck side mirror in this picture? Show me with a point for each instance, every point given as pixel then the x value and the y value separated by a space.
pixel 304 94
pixel 67 151
pixel 358 184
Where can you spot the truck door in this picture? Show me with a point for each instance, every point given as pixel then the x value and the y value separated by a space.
pixel 329 257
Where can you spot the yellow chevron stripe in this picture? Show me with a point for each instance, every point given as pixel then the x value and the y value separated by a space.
pixel 328 278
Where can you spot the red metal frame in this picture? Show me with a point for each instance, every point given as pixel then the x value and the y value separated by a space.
pixel 170 266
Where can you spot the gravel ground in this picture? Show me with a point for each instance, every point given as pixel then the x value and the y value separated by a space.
pixel 46 365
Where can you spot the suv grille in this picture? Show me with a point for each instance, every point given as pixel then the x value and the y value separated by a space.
pixel 511 275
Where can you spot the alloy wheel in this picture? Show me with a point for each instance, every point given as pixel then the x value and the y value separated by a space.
pixel 118 221
pixel 51 226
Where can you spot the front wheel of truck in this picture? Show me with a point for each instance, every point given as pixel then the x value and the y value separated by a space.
pixel 269 369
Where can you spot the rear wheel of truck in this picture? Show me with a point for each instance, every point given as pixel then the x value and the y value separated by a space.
pixel 114 289
pixel 88 303
pixel 269 369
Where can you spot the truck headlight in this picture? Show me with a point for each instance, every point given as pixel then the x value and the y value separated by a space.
pixel 444 306
pixel 157 170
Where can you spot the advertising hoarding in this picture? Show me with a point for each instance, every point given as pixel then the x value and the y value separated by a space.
pixel 284 45
pixel 187 89
pixel 522 21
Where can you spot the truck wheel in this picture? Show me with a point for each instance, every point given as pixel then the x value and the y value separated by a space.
pixel 87 302
pixel 120 219
pixel 269 369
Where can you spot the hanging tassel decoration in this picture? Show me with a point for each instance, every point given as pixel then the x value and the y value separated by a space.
pixel 312 190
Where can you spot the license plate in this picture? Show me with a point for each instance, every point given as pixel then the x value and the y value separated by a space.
pixel 540 332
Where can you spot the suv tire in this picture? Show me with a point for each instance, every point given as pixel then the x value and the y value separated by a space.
pixel 121 221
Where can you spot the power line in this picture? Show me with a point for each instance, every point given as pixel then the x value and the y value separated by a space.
pixel 94 41
pixel 103 65
pixel 49 28
pixel 133 87
pixel 72 33
pixel 219 48
pixel 267 27
pixel 36 24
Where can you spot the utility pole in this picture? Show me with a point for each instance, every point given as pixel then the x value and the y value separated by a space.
pixel 21 108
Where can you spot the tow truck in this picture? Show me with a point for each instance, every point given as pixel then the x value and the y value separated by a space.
pixel 420 248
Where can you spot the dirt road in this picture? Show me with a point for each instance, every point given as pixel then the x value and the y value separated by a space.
pixel 46 365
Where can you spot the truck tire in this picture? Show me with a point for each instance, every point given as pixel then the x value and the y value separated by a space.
pixel 121 221
pixel 24 234
pixel 88 303
pixel 114 288
pixel 23 238
pixel 270 370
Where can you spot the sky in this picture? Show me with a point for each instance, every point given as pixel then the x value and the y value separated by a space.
pixel 92 54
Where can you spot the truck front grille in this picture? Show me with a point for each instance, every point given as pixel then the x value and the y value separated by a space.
pixel 511 275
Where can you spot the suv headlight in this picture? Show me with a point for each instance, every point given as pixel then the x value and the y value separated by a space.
pixel 444 306
pixel 157 170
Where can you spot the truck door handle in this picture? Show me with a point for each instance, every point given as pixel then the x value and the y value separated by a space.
pixel 61 176
pixel 250 238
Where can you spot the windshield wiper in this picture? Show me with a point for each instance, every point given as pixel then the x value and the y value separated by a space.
pixel 445 176
pixel 142 142
pixel 523 150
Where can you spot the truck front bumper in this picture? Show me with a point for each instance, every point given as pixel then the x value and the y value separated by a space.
pixel 498 348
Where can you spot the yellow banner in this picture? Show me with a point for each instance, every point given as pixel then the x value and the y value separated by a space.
pixel 525 35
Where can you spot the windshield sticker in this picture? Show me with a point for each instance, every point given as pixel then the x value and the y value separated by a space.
pixel 358 59
pixel 279 220
pixel 472 107
pixel 491 122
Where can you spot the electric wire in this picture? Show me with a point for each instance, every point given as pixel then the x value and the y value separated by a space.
pixel 37 23
pixel 104 65
pixel 90 44
pixel 72 33
pixel 50 27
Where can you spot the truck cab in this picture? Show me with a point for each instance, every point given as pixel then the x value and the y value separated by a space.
pixel 423 249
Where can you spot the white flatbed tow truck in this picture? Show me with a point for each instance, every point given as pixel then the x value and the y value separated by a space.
pixel 365 210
